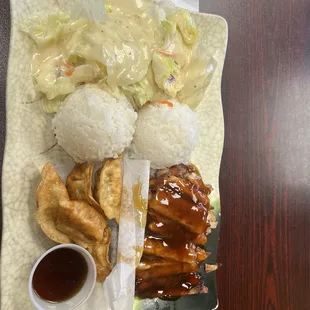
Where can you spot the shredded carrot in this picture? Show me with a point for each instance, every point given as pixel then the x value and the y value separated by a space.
pixel 165 53
pixel 168 103
pixel 69 71
pixel 69 68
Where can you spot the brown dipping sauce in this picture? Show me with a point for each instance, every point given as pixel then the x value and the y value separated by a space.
pixel 60 275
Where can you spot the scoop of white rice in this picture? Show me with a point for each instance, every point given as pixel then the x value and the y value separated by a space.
pixel 92 125
pixel 164 135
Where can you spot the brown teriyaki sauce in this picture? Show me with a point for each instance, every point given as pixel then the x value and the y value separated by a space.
pixel 60 275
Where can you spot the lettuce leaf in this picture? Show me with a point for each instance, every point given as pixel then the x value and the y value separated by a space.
pixel 185 25
pixel 90 71
pixel 197 77
pixel 62 86
pixel 52 106
pixel 174 45
pixel 45 29
pixel 167 73
pixel 141 92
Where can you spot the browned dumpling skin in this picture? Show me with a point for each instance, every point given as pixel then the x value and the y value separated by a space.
pixel 100 253
pixel 108 190
pixel 73 221
pixel 79 184
pixel 79 215
pixel 49 194
pixel 87 228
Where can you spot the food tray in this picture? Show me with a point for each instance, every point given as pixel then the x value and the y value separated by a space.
pixel 29 134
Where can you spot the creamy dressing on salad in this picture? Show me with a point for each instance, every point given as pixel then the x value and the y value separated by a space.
pixel 133 48
pixel 123 43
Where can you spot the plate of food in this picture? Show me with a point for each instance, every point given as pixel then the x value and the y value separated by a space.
pixel 114 141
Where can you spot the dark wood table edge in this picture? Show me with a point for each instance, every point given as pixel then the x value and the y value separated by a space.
pixel 5 27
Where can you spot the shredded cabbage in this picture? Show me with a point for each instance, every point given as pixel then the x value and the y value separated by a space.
pixel 62 86
pixel 174 45
pixel 52 106
pixel 185 25
pixel 125 53
pixel 146 56
pixel 88 72
pixel 141 92
pixel 197 77
pixel 47 29
pixel 167 74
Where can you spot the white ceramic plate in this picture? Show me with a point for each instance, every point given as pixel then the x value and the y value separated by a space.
pixel 29 134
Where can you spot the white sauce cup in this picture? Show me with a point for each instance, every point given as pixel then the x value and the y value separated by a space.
pixel 77 300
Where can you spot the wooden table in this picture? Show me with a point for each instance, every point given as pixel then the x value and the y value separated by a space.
pixel 265 175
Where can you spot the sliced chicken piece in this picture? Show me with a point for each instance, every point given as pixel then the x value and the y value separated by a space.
pixel 194 176
pixel 178 221
pixel 163 227
pixel 200 288
pixel 170 287
pixel 202 254
pixel 179 170
pixel 175 201
pixel 176 250
pixel 158 268
pixel 200 239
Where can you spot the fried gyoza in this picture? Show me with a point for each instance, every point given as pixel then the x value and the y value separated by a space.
pixel 79 184
pixel 100 253
pixel 109 188
pixel 49 194
pixel 79 215
pixel 68 221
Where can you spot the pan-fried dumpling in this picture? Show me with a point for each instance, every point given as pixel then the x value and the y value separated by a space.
pixel 109 188
pixel 100 253
pixel 49 194
pixel 79 184
pixel 80 216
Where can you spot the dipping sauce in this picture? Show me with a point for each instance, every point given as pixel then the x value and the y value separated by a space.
pixel 60 275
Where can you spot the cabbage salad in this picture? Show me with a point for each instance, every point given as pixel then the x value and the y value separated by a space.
pixel 138 49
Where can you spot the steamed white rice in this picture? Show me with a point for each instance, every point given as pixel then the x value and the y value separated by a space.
pixel 166 136
pixel 92 125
